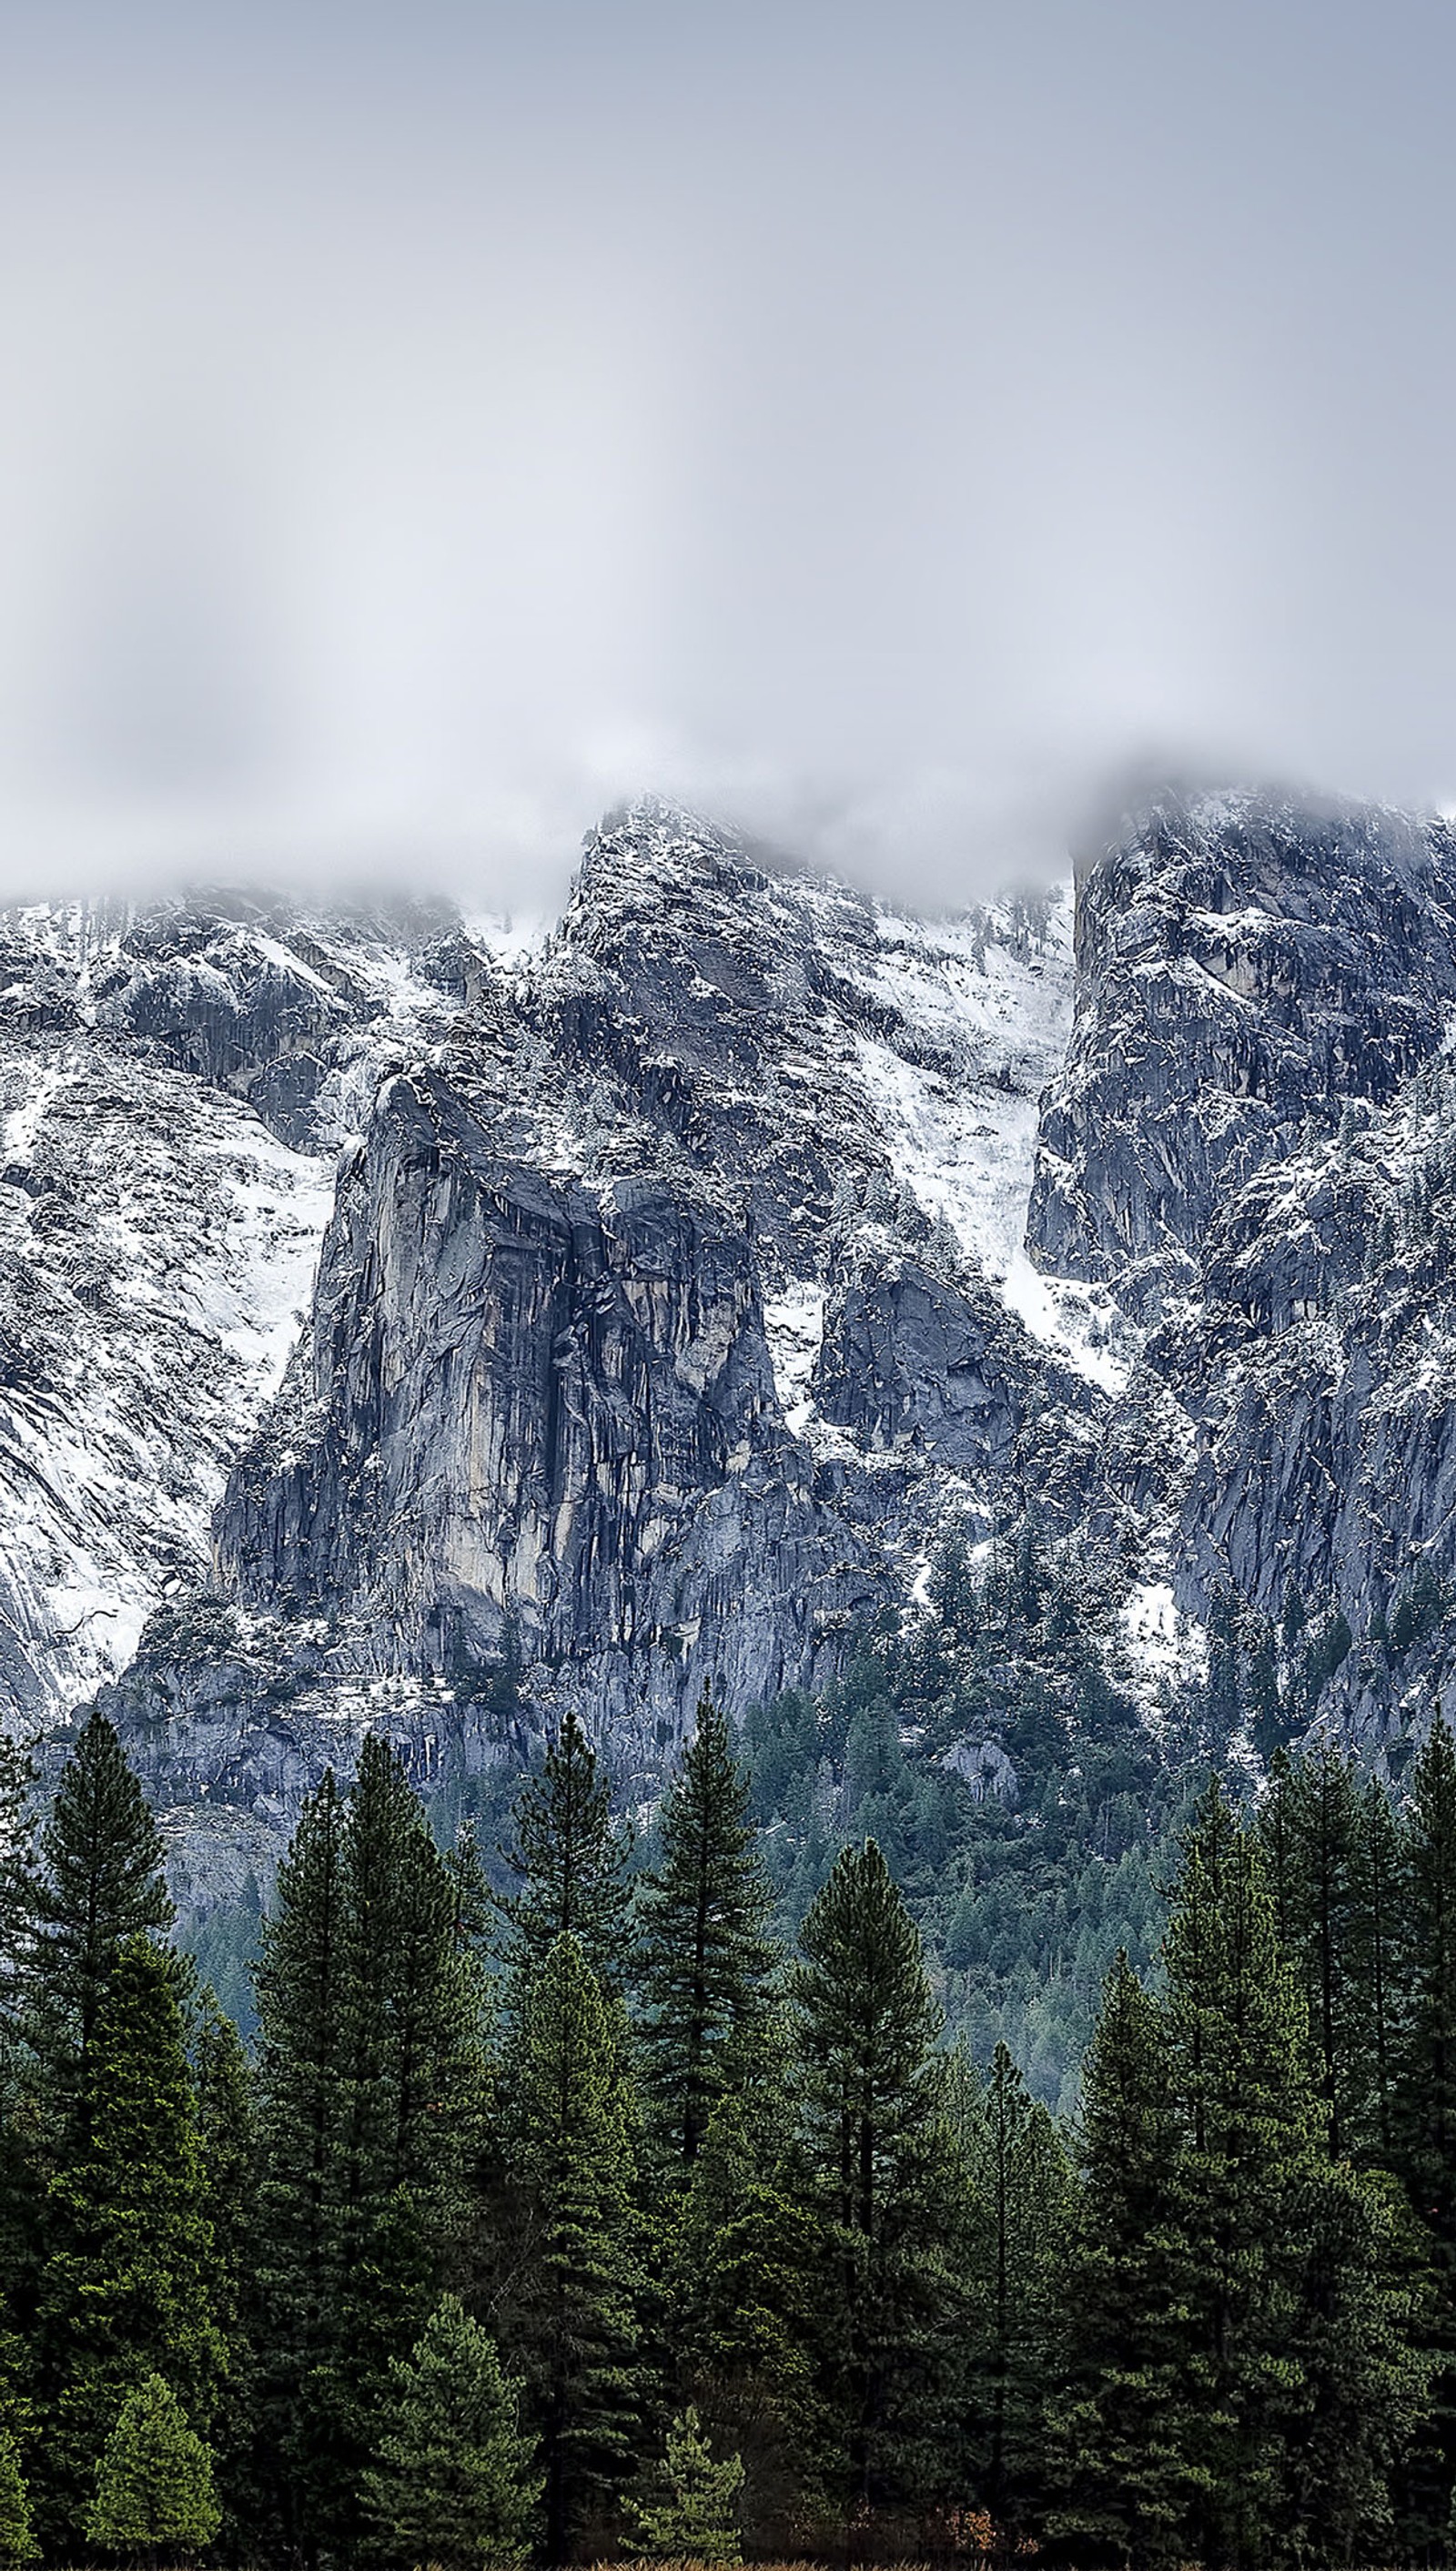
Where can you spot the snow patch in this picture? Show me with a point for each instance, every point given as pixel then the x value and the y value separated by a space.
pixel 793 1324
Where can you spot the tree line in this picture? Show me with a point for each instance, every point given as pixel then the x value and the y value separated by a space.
pixel 582 2219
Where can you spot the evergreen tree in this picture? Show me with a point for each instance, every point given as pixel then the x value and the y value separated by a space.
pixel 1424 2112
pixel 452 2480
pixel 1383 1871
pixel 17 2535
pixel 18 1893
pixel 1020 2184
pixel 302 2121
pixel 704 1955
pixel 1119 2426
pixel 691 2510
pixel 1321 1901
pixel 1238 2057
pixel 154 2482
pixel 572 1863
pixel 1297 2301
pixel 571 2318
pixel 372 2076
pixel 127 2284
pixel 100 1884
pixel 746 2253
pixel 227 2135
pixel 879 2171
pixel 1363 2374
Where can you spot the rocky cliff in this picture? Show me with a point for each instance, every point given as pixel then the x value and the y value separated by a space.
pixel 684 1280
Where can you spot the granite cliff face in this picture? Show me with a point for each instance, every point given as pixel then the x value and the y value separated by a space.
pixel 1247 968
pixel 1254 1140
pixel 683 1281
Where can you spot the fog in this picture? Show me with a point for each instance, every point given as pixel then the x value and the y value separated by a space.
pixel 423 427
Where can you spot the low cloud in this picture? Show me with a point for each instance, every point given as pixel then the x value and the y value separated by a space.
pixel 422 434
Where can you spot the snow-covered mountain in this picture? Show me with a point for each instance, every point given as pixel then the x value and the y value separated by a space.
pixel 684 1277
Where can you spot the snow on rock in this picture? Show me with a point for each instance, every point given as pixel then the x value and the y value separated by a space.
pixel 157 1255
pixel 793 1324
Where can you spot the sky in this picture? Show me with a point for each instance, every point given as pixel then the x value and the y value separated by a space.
pixel 421 426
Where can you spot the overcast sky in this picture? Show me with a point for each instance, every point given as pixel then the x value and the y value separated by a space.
pixel 422 424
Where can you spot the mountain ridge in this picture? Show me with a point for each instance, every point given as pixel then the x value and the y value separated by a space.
pixel 692 1275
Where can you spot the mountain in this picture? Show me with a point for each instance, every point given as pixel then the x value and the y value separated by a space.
pixel 403 1325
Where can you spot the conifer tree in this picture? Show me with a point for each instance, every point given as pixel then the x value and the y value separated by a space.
pixel 453 2480
pixel 742 2319
pixel 572 1863
pixel 100 1884
pixel 1020 2184
pixel 1295 2295
pixel 1316 1835
pixel 411 2042
pixel 127 2283
pixel 1425 2111
pixel 17 2534
pixel 1119 2416
pixel 1238 2058
pixel 704 1954
pixel 573 2319
pixel 690 2512
pixel 370 2080
pixel 228 2136
pixel 880 2170
pixel 18 1892
pixel 1382 1961
pixel 153 2481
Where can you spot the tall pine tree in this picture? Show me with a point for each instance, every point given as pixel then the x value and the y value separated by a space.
pixel 1019 2180
pixel 572 2322
pixel 371 2075
pixel 100 1884
pixel 1120 2432
pixel 704 1956
pixel 572 1866
pixel 881 2176
pixel 127 2284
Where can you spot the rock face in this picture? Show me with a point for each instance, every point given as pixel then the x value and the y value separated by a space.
pixel 1254 1141
pixel 538 1417
pixel 685 1279
pixel 1245 968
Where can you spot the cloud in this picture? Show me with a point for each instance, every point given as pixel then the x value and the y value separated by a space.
pixel 424 427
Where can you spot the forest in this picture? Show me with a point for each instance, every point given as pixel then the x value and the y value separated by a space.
pixel 582 2219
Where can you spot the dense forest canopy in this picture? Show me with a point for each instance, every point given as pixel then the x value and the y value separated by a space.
pixel 604 2191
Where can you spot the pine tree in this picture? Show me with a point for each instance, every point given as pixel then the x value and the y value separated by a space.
pixel 745 2254
pixel 452 2480
pixel 1383 1954
pixel 100 1884
pixel 691 2510
pixel 126 2281
pixel 302 2121
pixel 704 1956
pixel 879 2172
pixel 1425 2111
pixel 18 1892
pixel 371 2077
pixel 1120 2430
pixel 572 1865
pixel 1356 2337
pixel 227 2135
pixel 17 2534
pixel 1020 2181
pixel 1318 1838
pixel 412 2054
pixel 154 2482
pixel 1298 2287
pixel 573 2320
pixel 1239 2067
